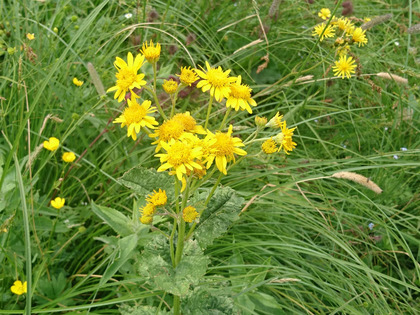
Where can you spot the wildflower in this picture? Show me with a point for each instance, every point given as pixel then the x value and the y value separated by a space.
pixel 260 121
pixel 128 15
pixel 370 226
pixel 151 52
pixel 135 116
pixel 187 76
pixel 358 36
pixel 344 67
pixel 396 157
pixel 158 198
pixel 148 210
pixel 225 147
pixel 343 24
pixel 127 77
pixel 269 146
pixel 329 31
pixel 324 14
pixel 367 19
pixel 189 123
pixel 170 86
pixel 343 50
pixel 19 288
pixel 170 129
pixel 68 157
pixel 240 96
pixel 30 36
pixel 276 122
pixel 146 219
pixel 284 139
pixel 77 82
pixel 52 144
pixel 189 214
pixel 216 80
pixel 404 149
pixel 58 203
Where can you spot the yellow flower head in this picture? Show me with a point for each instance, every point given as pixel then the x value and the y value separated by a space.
pixel 343 50
pixel 216 80
pixel 135 116
pixel 359 36
pixel 158 198
pixel 68 157
pixel 187 76
pixel 127 77
pixel 146 219
pixel 329 31
pixel 148 210
pixel 240 96
pixel 224 149
pixel 284 139
pixel 344 67
pixel 344 24
pixel 269 146
pixel 30 36
pixel 77 82
pixel 189 214
pixel 19 288
pixel 58 203
pixel 151 52
pixel 170 129
pixel 180 155
pixel 324 14
pixel 260 121
pixel 276 122
pixel 189 123
pixel 170 86
pixel 52 144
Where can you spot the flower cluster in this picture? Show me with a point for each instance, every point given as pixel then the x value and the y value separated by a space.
pixel 156 199
pixel 282 140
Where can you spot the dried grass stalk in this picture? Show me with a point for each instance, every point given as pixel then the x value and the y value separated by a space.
pixel 34 154
pixel 360 179
pixel 96 80
pixel 414 29
pixel 284 280
pixel 253 43
pixel 273 8
pixel 376 21
pixel 394 77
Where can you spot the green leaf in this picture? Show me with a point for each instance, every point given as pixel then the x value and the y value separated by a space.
pixel 204 302
pixel 141 310
pixel 115 219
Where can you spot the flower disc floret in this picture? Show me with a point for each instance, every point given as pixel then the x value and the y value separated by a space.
pixel 189 214
pixel 158 198
pixel 187 76
pixel 344 67
pixel 189 123
pixel 151 52
pixel 329 31
pixel 240 96
pixel 170 129
pixel 58 202
pixel 170 86
pixel 269 146
pixel 52 144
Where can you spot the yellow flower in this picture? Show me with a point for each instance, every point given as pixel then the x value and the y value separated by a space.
pixel 180 155
pixel 158 198
pixel 359 36
pixel 170 86
pixel 151 52
pixel 189 123
pixel 329 31
pixel 260 121
pixel 344 24
pixel 135 116
pixel 146 219
pixel 343 50
pixel 148 210
pixel 269 146
pixel 127 77
pixel 189 214
pixel 276 122
pixel 77 82
pixel 366 19
pixel 284 139
pixel 170 129
pixel 215 80
pixel 344 67
pixel 52 144
pixel 68 157
pixel 240 96
pixel 324 14
pixel 58 203
pixel 187 76
pixel 224 149
pixel 30 36
pixel 19 288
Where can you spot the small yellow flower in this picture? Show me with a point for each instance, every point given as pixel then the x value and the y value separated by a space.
pixel 276 122
pixel 52 144
pixel 366 19
pixel 148 210
pixel 170 86
pixel 269 146
pixel 170 129
pixel 187 76
pixel 151 52
pixel 19 288
pixel 329 31
pixel 77 82
pixel 324 14
pixel 240 96
pixel 146 219
pixel 344 24
pixel 344 67
pixel 343 50
pixel 58 203
pixel 189 214
pixel 260 121
pixel 158 198
pixel 284 139
pixel 30 36
pixel 359 36
pixel 189 123
pixel 68 157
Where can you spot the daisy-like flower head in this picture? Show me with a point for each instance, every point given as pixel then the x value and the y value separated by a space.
pixel 148 210
pixel 269 146
pixel 344 67
pixel 189 214
pixel 158 198
pixel 68 157
pixel 216 80
pixel 180 155
pixel 151 52
pixel 324 14
pixel 344 24
pixel 170 86
pixel 58 202
pixel 240 96
pixel 284 139
pixel 19 288
pixel 276 122
pixel 359 36
pixel 224 149
pixel 30 36
pixel 329 31
pixel 77 82
pixel 135 116
pixel 127 77
pixel 187 76
pixel 146 219
pixel 52 144
pixel 170 129
pixel 189 123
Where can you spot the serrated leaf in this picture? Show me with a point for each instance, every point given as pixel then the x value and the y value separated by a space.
pixel 115 219
pixel 202 302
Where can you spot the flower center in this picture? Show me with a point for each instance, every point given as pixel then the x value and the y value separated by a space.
pixel 170 129
pixel 187 76
pixel 151 53
pixel 134 114
pixel 188 122
pixel 240 91
pixel 217 77
pixel 179 153
pixel 125 77
pixel 224 145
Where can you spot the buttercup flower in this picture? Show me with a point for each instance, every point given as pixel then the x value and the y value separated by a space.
pixel 187 76
pixel 329 31
pixel 77 82
pixel 358 36
pixel 189 214
pixel 30 36
pixel 269 146
pixel 170 86
pixel 135 116
pixel 276 122
pixel 324 14
pixel 189 123
pixel 284 139
pixel 58 203
pixel 146 219
pixel 148 210
pixel 68 157
pixel 240 96
pixel 344 67
pixel 158 198
pixel 19 288
pixel 127 77
pixel 151 52
pixel 52 144
pixel 216 80
pixel 170 129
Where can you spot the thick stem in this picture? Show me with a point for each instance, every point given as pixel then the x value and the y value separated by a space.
pixel 208 111
pixel 177 305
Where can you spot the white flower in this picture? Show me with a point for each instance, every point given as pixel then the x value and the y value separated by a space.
pixel 128 15
pixel 396 157
pixel 404 149
pixel 371 225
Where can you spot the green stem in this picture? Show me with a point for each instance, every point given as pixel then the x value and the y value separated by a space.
pixel 156 101
pixel 171 239
pixel 177 305
pixel 174 98
pixel 154 76
pixel 208 111
pixel 222 125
